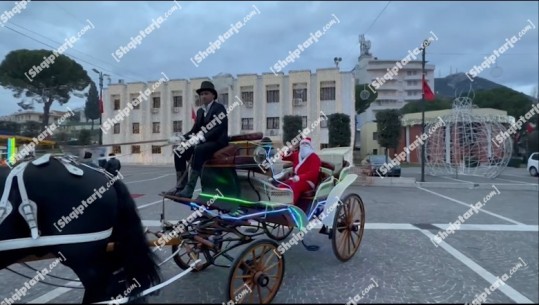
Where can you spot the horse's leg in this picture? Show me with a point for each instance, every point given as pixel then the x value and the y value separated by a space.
pixel 88 261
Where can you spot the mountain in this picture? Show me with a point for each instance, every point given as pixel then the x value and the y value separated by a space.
pixel 459 84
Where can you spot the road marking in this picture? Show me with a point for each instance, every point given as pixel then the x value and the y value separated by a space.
pixel 457 180
pixel 149 204
pixel 156 178
pixel 483 227
pixel 469 205
pixel 53 294
pixel 482 272
pixel 520 182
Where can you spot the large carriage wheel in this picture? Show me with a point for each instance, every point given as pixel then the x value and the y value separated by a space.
pixel 256 274
pixel 188 254
pixel 348 226
pixel 277 231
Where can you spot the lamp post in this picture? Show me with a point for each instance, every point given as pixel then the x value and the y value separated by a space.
pixel 426 43
pixel 100 101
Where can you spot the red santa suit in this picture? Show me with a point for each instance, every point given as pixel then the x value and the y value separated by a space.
pixel 306 169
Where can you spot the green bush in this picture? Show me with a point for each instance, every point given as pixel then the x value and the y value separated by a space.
pixel 514 162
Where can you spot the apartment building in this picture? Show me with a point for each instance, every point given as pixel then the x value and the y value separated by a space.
pixel 396 89
pixel 257 103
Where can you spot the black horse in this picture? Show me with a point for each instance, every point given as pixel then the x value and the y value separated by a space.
pixel 57 194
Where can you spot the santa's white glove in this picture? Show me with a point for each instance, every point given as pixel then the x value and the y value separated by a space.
pixel 200 136
pixel 295 178
pixel 176 139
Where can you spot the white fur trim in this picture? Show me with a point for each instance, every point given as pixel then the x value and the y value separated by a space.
pixel 311 184
pixel 301 162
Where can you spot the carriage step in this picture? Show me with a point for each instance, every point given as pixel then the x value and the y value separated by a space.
pixel 324 230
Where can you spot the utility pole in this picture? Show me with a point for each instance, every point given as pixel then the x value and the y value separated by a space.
pixel 426 43
pixel 100 102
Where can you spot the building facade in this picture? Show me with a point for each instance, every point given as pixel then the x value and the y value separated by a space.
pixel 257 103
pixel 394 91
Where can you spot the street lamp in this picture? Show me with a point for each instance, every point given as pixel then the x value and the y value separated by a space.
pixel 100 102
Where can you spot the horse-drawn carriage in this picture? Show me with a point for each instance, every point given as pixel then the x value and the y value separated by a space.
pixel 239 200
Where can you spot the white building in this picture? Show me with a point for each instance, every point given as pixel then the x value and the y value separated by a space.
pixel 266 99
pixel 405 86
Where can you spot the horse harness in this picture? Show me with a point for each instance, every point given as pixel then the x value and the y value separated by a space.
pixel 28 208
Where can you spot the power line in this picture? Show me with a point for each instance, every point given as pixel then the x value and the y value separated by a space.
pixel 379 14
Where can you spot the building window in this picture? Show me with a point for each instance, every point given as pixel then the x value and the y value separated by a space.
pixel 136 128
pixel 327 91
pixel 247 94
pixel 303 122
pixel 156 102
pixel 375 136
pixel 299 91
pixel 272 123
pixel 177 99
pixel 135 149
pixel 117 128
pixel 156 127
pixel 375 151
pixel 323 122
pixel 247 124
pixel 116 104
pixel 156 149
pixel 272 93
pixel 176 126
pixel 223 99
pixel 116 149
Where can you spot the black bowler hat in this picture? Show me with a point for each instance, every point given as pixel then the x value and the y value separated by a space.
pixel 207 86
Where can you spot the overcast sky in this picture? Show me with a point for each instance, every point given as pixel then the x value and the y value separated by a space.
pixel 466 31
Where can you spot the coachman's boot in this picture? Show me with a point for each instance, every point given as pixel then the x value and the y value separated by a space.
pixel 180 183
pixel 187 191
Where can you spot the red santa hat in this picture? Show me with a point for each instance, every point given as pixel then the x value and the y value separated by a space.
pixel 306 141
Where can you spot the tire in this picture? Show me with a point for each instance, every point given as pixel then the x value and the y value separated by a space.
pixel 248 280
pixel 533 171
pixel 272 231
pixel 346 227
pixel 184 260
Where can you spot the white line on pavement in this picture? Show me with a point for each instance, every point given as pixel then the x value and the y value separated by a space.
pixel 469 205
pixel 457 179
pixel 149 204
pixel 520 182
pixel 482 272
pixel 53 294
pixel 149 179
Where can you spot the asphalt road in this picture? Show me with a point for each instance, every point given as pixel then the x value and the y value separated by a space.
pixel 398 260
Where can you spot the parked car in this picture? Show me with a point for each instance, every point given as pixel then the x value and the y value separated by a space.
pixel 374 162
pixel 533 163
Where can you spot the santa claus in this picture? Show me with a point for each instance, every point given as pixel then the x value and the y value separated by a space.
pixel 306 169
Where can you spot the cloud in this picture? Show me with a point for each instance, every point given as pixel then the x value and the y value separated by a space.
pixel 467 32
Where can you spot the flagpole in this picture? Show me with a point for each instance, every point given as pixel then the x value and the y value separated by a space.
pixel 425 45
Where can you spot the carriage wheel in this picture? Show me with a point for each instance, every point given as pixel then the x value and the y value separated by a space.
pixel 256 274
pixel 185 258
pixel 348 226
pixel 277 231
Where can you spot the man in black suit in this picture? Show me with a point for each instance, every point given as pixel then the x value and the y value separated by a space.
pixel 113 165
pixel 208 135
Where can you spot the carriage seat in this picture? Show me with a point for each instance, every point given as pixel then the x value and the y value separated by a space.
pixel 323 175
pixel 229 155
pixel 255 136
